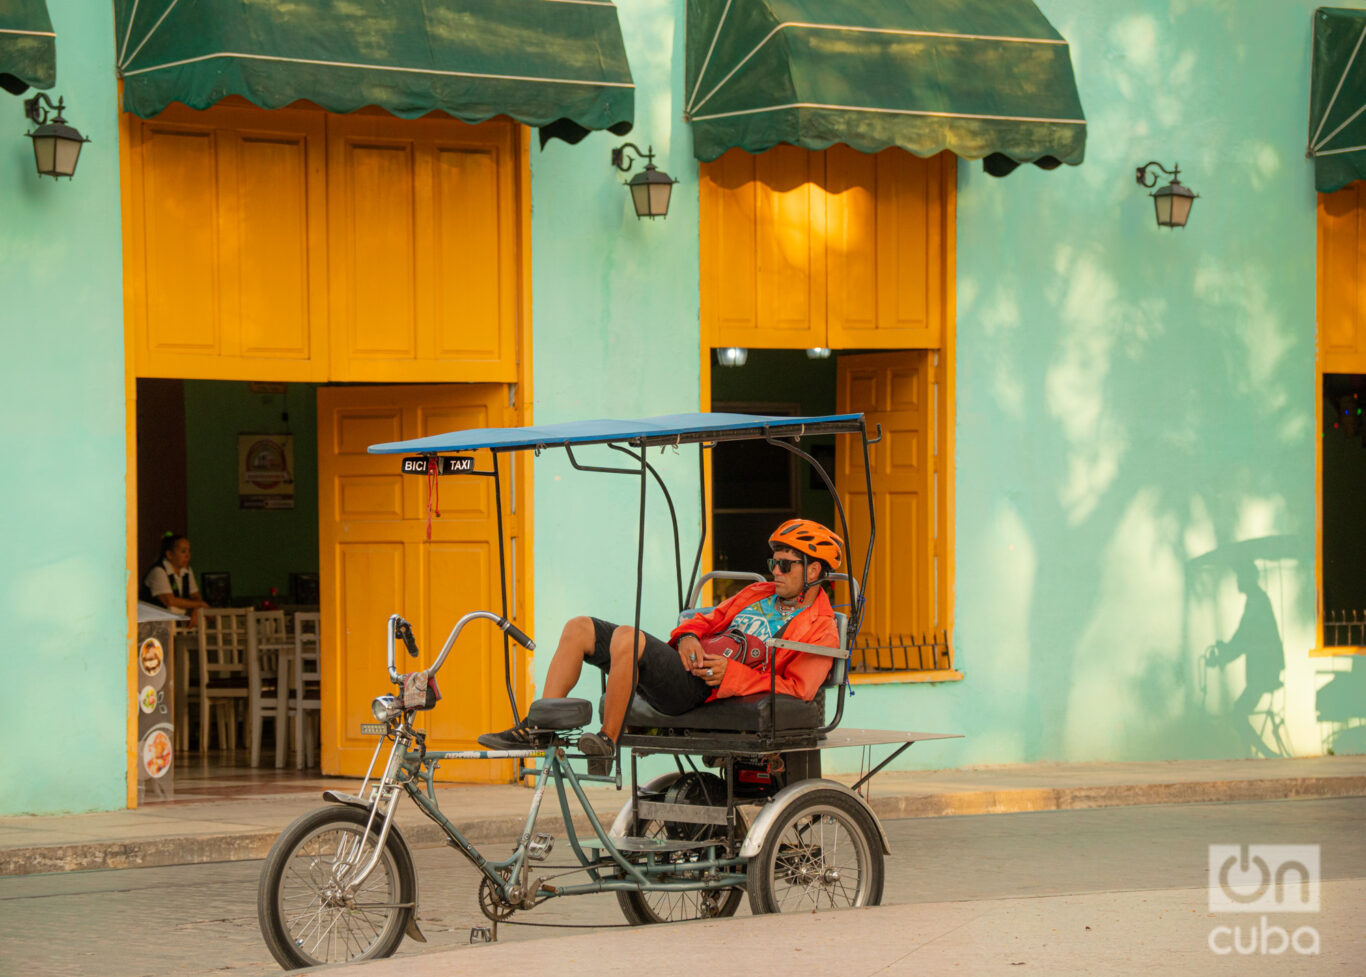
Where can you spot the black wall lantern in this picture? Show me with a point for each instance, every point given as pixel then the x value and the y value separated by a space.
pixel 650 189
pixel 56 145
pixel 1173 202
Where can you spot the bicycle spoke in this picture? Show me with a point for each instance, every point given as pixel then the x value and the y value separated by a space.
pixel 320 917
pixel 819 863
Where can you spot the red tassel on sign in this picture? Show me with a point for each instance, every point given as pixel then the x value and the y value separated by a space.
pixel 433 491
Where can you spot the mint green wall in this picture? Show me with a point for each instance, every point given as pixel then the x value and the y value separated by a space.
pixel 260 548
pixel 1131 398
pixel 615 307
pixel 63 612
pixel 1135 407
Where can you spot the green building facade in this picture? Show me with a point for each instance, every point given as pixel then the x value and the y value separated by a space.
pixel 1135 409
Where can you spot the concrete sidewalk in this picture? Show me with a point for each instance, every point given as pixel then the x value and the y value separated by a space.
pixel 1155 931
pixel 180 833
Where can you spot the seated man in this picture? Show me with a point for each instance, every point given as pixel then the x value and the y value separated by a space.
pixel 679 676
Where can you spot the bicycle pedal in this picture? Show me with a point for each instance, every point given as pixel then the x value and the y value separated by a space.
pixel 481 934
pixel 539 847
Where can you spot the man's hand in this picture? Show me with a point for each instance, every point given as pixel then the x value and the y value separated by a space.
pixel 711 669
pixel 690 651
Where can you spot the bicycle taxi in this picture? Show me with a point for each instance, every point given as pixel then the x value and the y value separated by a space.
pixel 745 810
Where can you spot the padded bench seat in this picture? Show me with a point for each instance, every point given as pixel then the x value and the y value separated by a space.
pixel 744 714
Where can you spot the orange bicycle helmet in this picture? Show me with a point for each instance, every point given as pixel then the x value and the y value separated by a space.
pixel 811 538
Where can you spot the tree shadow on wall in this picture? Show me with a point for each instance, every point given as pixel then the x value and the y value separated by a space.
pixel 1108 409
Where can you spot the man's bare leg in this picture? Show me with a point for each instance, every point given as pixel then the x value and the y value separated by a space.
pixel 576 644
pixel 619 679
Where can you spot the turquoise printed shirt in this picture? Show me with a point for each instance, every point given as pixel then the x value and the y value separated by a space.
pixel 763 619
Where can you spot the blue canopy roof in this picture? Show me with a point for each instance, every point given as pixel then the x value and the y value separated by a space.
pixel 665 429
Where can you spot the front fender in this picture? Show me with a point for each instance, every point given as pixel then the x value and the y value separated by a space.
pixel 352 800
pixel 774 809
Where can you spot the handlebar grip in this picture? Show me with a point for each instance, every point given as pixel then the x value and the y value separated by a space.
pixel 518 635
pixel 405 631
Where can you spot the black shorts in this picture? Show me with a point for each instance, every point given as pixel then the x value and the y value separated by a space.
pixel 663 681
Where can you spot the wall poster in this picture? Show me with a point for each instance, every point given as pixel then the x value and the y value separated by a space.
pixel 265 471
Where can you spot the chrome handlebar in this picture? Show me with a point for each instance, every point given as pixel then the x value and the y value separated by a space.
pixel 396 621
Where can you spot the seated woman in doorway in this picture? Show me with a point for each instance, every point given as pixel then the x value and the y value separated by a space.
pixel 679 676
pixel 171 582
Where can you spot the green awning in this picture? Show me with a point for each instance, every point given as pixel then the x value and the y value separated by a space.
pixel 28 46
pixel 1337 98
pixel 556 64
pixel 983 78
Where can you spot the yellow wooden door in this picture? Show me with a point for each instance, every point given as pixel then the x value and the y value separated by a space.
pixel 895 390
pixel 762 249
pixel 836 248
pixel 424 244
pixel 1342 259
pixel 300 245
pixel 888 220
pixel 376 560
pixel 226 256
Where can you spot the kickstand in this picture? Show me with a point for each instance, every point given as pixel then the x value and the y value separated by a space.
pixel 484 934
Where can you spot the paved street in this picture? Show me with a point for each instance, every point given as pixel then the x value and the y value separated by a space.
pixel 201 919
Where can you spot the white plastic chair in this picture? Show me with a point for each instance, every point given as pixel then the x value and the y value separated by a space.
pixel 226 641
pixel 184 642
pixel 268 681
pixel 307 676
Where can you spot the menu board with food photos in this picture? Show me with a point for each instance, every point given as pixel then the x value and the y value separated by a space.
pixel 155 709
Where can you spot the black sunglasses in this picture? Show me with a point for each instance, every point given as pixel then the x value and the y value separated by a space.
pixel 782 566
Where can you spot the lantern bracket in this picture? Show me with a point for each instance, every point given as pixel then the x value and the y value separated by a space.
pixel 38 114
pixel 1147 179
pixel 624 162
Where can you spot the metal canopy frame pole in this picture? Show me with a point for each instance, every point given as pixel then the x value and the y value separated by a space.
pixel 855 602
pixel 503 587
pixel 673 516
pixel 844 521
pixel 872 527
pixel 636 636
pixel 702 500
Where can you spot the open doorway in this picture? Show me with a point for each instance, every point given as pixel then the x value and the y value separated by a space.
pixel 906 625
pixel 251 515
pixel 754 486
pixel 288 514
pixel 231 466
pixel 1344 520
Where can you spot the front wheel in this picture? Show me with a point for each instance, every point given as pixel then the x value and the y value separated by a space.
pixel 824 852
pixel 308 915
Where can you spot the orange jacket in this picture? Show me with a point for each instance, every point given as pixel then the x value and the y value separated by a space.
pixel 799 673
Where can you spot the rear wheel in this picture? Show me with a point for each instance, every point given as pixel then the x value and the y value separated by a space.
pixel 644 908
pixel 824 852
pixel 307 915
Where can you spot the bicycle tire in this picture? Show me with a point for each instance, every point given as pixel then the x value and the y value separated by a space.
pixel 325 930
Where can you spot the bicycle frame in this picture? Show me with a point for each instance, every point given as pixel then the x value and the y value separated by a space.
pixel 410 767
